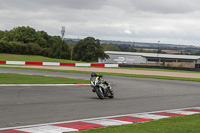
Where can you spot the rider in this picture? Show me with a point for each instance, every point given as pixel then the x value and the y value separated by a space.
pixel 93 78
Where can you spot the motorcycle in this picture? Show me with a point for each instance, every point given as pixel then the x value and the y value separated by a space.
pixel 101 87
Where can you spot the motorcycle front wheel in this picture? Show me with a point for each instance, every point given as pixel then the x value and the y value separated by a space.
pixel 99 92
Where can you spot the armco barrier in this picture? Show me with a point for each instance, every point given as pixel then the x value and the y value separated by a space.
pixel 15 62
pixel 33 63
pixel 67 64
pixel 58 64
pixel 97 65
pixel 51 63
pixel 111 65
pixel 2 62
pixel 83 64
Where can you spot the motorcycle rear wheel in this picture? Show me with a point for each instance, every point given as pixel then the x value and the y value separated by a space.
pixel 111 93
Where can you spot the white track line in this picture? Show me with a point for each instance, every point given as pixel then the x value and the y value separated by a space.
pixel 43 84
pixel 47 84
pixel 48 129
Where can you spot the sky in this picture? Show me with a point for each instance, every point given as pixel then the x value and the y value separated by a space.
pixel 167 21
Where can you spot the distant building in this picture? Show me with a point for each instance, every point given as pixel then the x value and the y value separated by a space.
pixel 133 57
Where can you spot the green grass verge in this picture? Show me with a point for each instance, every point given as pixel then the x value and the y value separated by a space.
pixel 183 124
pixel 9 78
pixel 34 58
pixel 115 74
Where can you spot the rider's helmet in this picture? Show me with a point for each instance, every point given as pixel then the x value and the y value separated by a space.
pixel 93 74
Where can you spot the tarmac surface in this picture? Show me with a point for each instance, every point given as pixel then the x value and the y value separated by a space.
pixel 21 105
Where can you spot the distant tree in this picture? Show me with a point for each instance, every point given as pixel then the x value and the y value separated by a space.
pixel 89 50
pixel 23 34
pixel 140 50
pixel 198 52
pixel 110 47
pixel 131 49
pixel 34 49
pixel 43 39
pixel 124 47
pixel 16 47
pixel 1 34
pixel 3 46
pixel 25 40
pixel 7 36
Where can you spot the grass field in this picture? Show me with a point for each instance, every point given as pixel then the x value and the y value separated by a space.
pixel 182 124
pixel 8 78
pixel 15 57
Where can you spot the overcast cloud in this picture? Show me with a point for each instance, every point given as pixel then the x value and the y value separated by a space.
pixel 173 21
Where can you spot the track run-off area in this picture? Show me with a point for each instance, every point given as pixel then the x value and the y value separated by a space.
pixel 28 105
pixel 114 70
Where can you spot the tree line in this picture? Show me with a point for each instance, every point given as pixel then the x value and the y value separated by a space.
pixel 28 41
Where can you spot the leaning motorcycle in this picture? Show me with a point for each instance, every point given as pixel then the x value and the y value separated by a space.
pixel 102 88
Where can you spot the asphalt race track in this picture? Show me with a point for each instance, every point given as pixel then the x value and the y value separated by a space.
pixel 21 106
